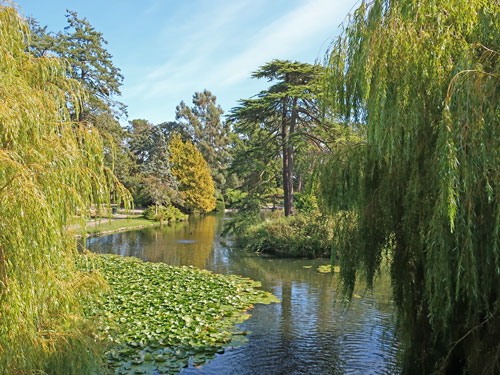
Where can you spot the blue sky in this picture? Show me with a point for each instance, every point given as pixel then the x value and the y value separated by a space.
pixel 168 49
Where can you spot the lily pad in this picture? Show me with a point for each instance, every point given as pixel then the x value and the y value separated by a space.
pixel 161 317
pixel 328 269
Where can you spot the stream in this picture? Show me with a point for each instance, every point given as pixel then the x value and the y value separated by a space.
pixel 310 332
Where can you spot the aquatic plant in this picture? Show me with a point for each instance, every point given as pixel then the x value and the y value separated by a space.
pixel 302 235
pixel 157 317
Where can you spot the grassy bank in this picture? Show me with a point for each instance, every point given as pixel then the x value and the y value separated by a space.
pixel 156 318
pixel 106 226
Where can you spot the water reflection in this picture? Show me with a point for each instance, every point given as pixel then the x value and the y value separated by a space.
pixel 309 332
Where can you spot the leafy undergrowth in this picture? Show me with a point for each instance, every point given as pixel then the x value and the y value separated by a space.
pixel 304 235
pixel 157 317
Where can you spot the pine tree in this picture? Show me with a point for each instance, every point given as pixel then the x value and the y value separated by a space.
pixel 91 64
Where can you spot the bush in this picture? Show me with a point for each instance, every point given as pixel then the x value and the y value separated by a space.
pixel 220 206
pixel 233 197
pixel 167 214
pixel 298 236
pixel 305 203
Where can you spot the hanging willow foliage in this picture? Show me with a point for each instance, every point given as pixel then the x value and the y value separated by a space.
pixel 50 169
pixel 422 77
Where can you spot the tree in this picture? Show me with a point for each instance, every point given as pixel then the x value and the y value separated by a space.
pixel 423 80
pixel 196 186
pixel 41 42
pixel 202 122
pixel 50 169
pixel 161 184
pixel 256 160
pixel 84 48
pixel 280 110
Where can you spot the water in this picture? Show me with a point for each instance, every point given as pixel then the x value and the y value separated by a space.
pixel 309 332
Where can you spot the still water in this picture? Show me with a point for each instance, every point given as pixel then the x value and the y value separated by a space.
pixel 309 332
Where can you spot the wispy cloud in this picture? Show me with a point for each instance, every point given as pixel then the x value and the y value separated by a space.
pixel 217 47
pixel 290 32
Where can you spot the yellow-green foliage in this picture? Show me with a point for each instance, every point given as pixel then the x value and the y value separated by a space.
pixel 421 78
pixel 192 173
pixel 49 169
pixel 164 213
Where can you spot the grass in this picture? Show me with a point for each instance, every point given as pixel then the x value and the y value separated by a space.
pixel 118 225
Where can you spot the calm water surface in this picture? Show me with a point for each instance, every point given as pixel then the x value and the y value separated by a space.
pixel 309 332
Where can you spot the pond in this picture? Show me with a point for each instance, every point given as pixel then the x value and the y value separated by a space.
pixel 310 332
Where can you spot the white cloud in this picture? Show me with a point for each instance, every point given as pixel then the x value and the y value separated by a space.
pixel 280 38
pixel 217 47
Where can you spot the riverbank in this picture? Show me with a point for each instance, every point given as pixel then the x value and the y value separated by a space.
pixel 107 226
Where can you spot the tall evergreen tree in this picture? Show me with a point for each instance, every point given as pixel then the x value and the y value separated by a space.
pixel 91 64
pixel 158 177
pixel 280 111
pixel 203 123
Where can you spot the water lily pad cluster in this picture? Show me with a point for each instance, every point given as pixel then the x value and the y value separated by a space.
pixel 158 317
pixel 328 269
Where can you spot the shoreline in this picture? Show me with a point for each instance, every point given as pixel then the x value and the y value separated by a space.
pixel 117 230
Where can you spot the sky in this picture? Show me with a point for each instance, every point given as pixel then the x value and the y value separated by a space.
pixel 169 49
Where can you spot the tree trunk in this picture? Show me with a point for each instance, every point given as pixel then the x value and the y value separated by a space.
pixel 286 159
pixel 293 123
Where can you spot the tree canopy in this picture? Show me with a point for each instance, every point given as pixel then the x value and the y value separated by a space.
pixel 91 64
pixel 422 80
pixel 203 125
pixel 50 169
pixel 196 186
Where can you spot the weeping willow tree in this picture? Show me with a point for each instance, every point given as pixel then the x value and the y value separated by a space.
pixel 50 169
pixel 422 78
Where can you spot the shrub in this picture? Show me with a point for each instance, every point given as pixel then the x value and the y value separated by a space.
pixel 305 203
pixel 167 214
pixel 233 197
pixel 298 236
pixel 220 206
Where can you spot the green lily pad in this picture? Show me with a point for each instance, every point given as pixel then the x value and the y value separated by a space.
pixel 161 316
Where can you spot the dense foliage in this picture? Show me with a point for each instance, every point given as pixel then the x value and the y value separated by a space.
pixel 302 235
pixel 196 186
pixel 158 317
pixel 50 168
pixel 422 80
pixel 202 124
pixel 166 214
pixel 83 47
